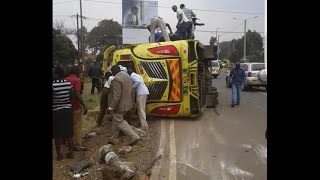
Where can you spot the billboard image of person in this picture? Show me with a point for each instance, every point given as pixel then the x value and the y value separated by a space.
pixel 136 15
pixel 132 18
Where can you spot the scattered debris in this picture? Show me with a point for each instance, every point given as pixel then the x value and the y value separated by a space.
pixel 125 149
pixel 90 135
pixel 136 157
pixel 146 169
pixel 114 173
pixel 106 154
pixel 76 176
pixel 79 166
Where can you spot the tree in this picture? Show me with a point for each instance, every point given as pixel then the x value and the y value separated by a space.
pixel 59 25
pixel 233 50
pixel 254 46
pixel 63 51
pixel 107 33
pixel 224 49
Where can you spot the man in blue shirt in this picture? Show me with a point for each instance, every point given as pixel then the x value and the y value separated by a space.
pixel 237 76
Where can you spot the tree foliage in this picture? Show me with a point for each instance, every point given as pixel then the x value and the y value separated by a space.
pixel 233 50
pixel 107 33
pixel 59 25
pixel 63 50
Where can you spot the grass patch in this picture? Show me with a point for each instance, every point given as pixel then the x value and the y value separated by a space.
pixel 91 101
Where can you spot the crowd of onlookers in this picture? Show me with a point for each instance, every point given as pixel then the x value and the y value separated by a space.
pixel 119 94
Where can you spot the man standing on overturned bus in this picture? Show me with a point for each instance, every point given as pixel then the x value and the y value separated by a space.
pixel 157 22
pixel 182 24
pixel 237 76
pixel 190 27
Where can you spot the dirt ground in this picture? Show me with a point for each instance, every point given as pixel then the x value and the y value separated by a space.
pixel 141 153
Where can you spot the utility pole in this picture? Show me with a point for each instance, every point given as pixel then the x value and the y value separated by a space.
pixel 81 34
pixel 217 34
pixel 218 51
pixel 78 36
pixel 245 39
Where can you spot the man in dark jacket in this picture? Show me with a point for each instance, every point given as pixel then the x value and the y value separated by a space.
pixel 95 73
pixel 238 77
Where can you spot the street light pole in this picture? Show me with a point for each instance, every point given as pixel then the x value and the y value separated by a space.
pixel 78 36
pixel 218 51
pixel 217 33
pixel 81 33
pixel 245 39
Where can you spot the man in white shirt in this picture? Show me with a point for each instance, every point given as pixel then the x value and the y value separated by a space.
pixel 142 93
pixel 183 23
pixel 189 14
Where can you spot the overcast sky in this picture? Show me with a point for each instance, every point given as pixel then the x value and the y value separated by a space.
pixel 214 13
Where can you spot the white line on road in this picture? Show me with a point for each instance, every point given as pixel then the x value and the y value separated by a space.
pixel 235 171
pixel 261 152
pixel 263 93
pixel 162 142
pixel 173 161
pixel 156 170
pixel 260 107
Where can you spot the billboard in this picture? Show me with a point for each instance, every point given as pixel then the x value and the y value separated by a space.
pixel 136 15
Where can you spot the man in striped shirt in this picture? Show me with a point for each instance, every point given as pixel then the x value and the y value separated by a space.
pixel 62 113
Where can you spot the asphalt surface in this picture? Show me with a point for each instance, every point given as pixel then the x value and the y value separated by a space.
pixel 224 143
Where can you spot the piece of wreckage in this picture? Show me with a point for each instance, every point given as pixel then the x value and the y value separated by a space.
pixel 122 170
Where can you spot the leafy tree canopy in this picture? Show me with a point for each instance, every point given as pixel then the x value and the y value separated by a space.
pixel 63 51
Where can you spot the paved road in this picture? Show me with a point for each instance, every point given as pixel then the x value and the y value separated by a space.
pixel 224 143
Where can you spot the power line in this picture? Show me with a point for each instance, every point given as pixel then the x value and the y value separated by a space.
pixel 210 10
pixel 64 15
pixel 232 28
pixel 221 31
pixel 64 2
pixel 91 18
pixel 235 12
